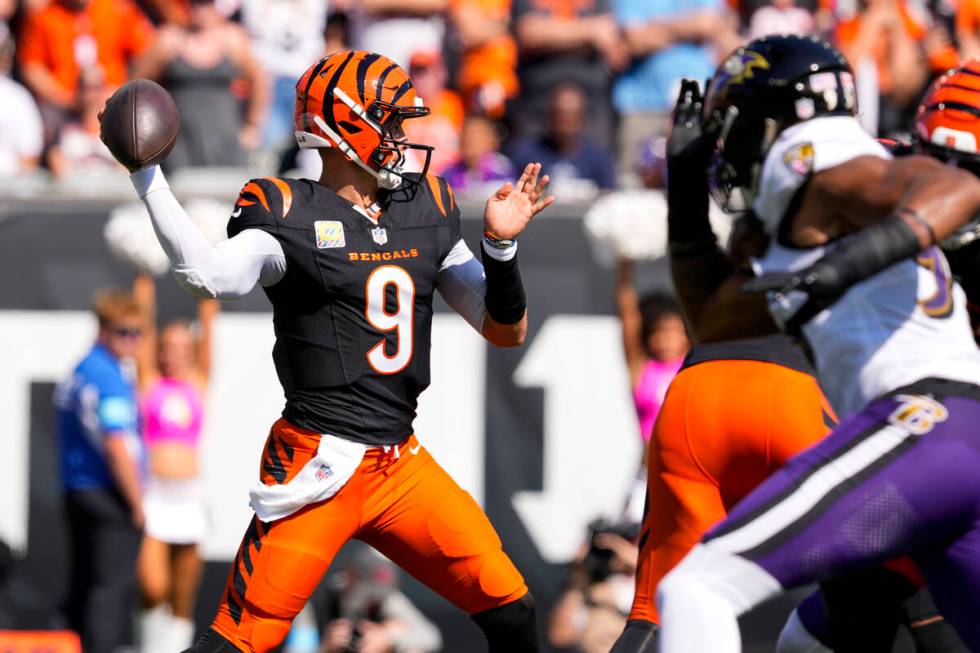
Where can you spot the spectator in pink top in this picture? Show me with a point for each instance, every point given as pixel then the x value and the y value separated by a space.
pixel 655 342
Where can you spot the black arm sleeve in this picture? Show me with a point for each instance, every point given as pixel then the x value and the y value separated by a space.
pixel 869 252
pixel 505 299
pixel 698 266
pixel 688 226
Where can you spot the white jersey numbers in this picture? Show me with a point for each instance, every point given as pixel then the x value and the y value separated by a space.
pixel 401 320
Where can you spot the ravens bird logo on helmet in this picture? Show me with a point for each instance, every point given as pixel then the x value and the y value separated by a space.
pixel 759 90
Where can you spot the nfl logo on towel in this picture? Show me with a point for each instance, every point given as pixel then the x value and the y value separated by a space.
pixel 323 473
pixel 329 233
pixel 380 235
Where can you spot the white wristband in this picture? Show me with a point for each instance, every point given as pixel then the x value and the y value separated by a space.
pixel 500 253
pixel 147 180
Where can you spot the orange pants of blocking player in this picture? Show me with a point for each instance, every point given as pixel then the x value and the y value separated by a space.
pixel 399 501
pixel 724 427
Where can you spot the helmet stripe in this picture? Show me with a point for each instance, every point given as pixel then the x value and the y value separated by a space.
pixel 402 90
pixel 382 77
pixel 959 87
pixel 362 69
pixel 306 91
pixel 947 105
pixel 328 92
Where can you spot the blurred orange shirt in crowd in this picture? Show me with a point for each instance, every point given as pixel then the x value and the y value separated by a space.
pixel 439 129
pixel 491 66
pixel 968 16
pixel 107 33
pixel 848 31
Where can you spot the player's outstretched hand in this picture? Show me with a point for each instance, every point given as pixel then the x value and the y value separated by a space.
pixel 687 145
pixel 513 205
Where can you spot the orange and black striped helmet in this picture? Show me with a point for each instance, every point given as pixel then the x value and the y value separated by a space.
pixel 947 124
pixel 356 101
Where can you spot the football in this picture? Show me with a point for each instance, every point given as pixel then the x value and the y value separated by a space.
pixel 140 124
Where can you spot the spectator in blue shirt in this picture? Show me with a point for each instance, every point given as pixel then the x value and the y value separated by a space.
pixel 668 40
pixel 101 462
pixel 565 151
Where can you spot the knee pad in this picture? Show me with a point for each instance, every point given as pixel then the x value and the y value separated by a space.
pixel 512 627
pixel 638 637
pixel 796 638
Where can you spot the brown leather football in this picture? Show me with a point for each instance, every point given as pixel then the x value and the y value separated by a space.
pixel 140 124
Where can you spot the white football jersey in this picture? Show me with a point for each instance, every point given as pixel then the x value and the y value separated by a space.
pixel 905 323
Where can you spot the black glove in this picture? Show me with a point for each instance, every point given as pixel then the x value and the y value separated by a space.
pixel 686 143
pixel 687 161
pixel 796 297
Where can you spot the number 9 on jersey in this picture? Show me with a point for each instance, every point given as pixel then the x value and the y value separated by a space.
pixel 401 320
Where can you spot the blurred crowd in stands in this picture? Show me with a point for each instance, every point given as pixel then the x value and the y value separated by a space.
pixel 578 84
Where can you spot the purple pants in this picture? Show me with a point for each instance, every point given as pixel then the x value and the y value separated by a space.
pixel 899 478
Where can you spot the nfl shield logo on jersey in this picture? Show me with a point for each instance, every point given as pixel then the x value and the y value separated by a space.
pixel 380 235
pixel 329 233
pixel 323 472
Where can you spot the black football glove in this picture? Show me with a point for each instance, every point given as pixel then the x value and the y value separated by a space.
pixel 686 144
pixel 796 297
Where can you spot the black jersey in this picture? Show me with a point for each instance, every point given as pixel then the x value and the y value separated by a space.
pixel 778 348
pixel 353 313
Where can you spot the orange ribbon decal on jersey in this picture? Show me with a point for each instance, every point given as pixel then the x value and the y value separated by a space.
pixel 287 194
pixel 436 193
pixel 253 189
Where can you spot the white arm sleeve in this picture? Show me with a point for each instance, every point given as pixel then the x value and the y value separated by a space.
pixel 226 271
pixel 463 285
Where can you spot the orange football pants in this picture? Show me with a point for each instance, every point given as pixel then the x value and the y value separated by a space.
pixel 724 427
pixel 400 501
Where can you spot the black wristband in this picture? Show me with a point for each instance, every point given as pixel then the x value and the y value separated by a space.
pixel 505 299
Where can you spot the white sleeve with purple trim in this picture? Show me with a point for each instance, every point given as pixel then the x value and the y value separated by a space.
pixel 802 150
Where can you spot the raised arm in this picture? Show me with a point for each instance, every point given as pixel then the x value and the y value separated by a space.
pixel 144 292
pixel 226 271
pixel 628 307
pixel 707 283
pixel 491 296
pixel 207 311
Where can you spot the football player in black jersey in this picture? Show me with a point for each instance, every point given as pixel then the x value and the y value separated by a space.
pixel 351 264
